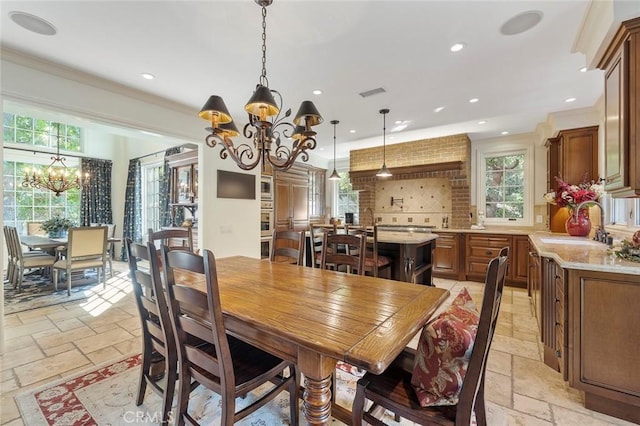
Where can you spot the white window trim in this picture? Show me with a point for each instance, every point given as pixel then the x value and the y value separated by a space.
pixel 491 150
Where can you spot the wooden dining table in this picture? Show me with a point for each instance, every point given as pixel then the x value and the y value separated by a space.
pixel 316 317
pixel 35 242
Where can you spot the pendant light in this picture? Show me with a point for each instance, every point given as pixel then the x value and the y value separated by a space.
pixel 384 172
pixel 334 175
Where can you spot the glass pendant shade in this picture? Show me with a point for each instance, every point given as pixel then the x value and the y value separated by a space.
pixel 262 103
pixel 334 175
pixel 215 111
pixel 384 172
pixel 307 115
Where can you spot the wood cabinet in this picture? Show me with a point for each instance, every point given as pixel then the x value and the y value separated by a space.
pixel 621 63
pixel 291 199
pixel 552 313
pixel 448 255
pixel 183 191
pixel 604 341
pixel 519 260
pixel 533 284
pixel 572 155
pixel 480 249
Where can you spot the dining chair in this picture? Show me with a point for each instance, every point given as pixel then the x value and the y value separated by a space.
pixel 111 232
pixel 316 231
pixel 86 249
pixel 394 390
pixel 35 228
pixel 287 246
pixel 349 259
pixel 21 261
pixel 374 263
pixel 233 368
pixel 158 343
pixel 176 238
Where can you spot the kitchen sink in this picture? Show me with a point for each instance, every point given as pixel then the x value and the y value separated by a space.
pixel 569 241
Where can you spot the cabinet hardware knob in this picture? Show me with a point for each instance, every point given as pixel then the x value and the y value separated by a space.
pixel 489 252
pixel 558 354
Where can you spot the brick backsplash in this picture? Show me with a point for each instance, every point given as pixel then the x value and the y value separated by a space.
pixel 427 196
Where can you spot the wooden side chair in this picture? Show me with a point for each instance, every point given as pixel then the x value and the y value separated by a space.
pixel 158 343
pixel 288 246
pixel 351 260
pixel 86 249
pixel 316 232
pixel 20 261
pixel 393 390
pixel 178 238
pixel 374 263
pixel 35 228
pixel 232 368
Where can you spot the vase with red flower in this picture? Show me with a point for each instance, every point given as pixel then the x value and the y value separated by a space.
pixel 578 223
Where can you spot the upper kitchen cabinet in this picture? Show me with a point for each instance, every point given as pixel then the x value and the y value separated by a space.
pixel 571 155
pixel 621 63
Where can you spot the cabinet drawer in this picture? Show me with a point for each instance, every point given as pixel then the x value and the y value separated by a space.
pixel 486 241
pixel 484 252
pixel 477 267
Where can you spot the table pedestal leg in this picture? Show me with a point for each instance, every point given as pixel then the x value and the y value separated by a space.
pixel 317 400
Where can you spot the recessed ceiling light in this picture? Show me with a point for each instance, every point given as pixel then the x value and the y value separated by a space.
pixel 570 100
pixel 482 122
pixel 317 92
pixel 457 47
pixel 321 149
pixel 352 131
pixel 583 69
pixel 32 23
pixel 504 133
pixel 398 121
pixel 521 22
pixel 147 76
pixel 440 108
pixel 473 100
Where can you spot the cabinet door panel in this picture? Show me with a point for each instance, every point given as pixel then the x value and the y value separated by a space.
pixel 446 256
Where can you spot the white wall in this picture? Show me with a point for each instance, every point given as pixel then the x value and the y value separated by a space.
pixel 47 86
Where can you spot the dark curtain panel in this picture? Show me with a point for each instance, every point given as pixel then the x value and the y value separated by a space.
pixel 165 189
pixel 95 198
pixel 133 206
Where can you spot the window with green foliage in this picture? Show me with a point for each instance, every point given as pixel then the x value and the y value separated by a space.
pixel 25 204
pixel 152 175
pixel 40 133
pixel 504 186
pixel 347 198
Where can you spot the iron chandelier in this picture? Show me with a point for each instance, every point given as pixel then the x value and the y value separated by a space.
pixel 266 127
pixel 56 177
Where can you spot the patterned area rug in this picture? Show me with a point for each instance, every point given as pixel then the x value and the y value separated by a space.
pixel 38 291
pixel 106 396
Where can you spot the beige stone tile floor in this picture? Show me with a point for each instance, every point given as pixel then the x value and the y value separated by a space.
pixel 49 343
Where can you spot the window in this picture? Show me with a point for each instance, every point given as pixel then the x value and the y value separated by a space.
pixel 26 204
pixel 316 192
pixel 24 130
pixel 504 184
pixel 152 175
pixel 347 198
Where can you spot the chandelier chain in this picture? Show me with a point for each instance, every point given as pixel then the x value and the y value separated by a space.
pixel 263 77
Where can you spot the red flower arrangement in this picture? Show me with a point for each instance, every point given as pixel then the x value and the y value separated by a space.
pixel 571 195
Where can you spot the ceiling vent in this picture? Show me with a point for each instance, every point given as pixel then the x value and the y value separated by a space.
pixel 372 92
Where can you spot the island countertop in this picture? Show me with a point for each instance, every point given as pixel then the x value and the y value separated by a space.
pixel 581 253
pixel 409 237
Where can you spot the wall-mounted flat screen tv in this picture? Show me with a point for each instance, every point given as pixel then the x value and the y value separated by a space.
pixel 236 185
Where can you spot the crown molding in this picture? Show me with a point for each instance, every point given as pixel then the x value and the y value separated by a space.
pixel 40 64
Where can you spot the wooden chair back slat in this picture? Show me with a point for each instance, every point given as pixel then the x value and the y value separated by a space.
pixel 352 257
pixel 288 245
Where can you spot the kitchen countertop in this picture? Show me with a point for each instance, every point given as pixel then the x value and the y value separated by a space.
pixel 405 237
pixel 581 253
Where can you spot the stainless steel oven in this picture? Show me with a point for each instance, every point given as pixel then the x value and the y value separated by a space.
pixel 266 188
pixel 265 247
pixel 266 218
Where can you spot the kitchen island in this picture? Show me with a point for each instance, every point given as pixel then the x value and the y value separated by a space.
pixel 587 302
pixel 411 249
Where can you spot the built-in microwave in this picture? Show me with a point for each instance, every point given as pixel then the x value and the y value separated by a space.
pixel 266 188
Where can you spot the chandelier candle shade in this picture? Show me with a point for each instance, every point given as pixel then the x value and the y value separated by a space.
pixel 266 127
pixel 56 177
pixel 384 172
pixel 334 175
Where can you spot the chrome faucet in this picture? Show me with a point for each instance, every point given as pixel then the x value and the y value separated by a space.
pixel 370 210
pixel 601 234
